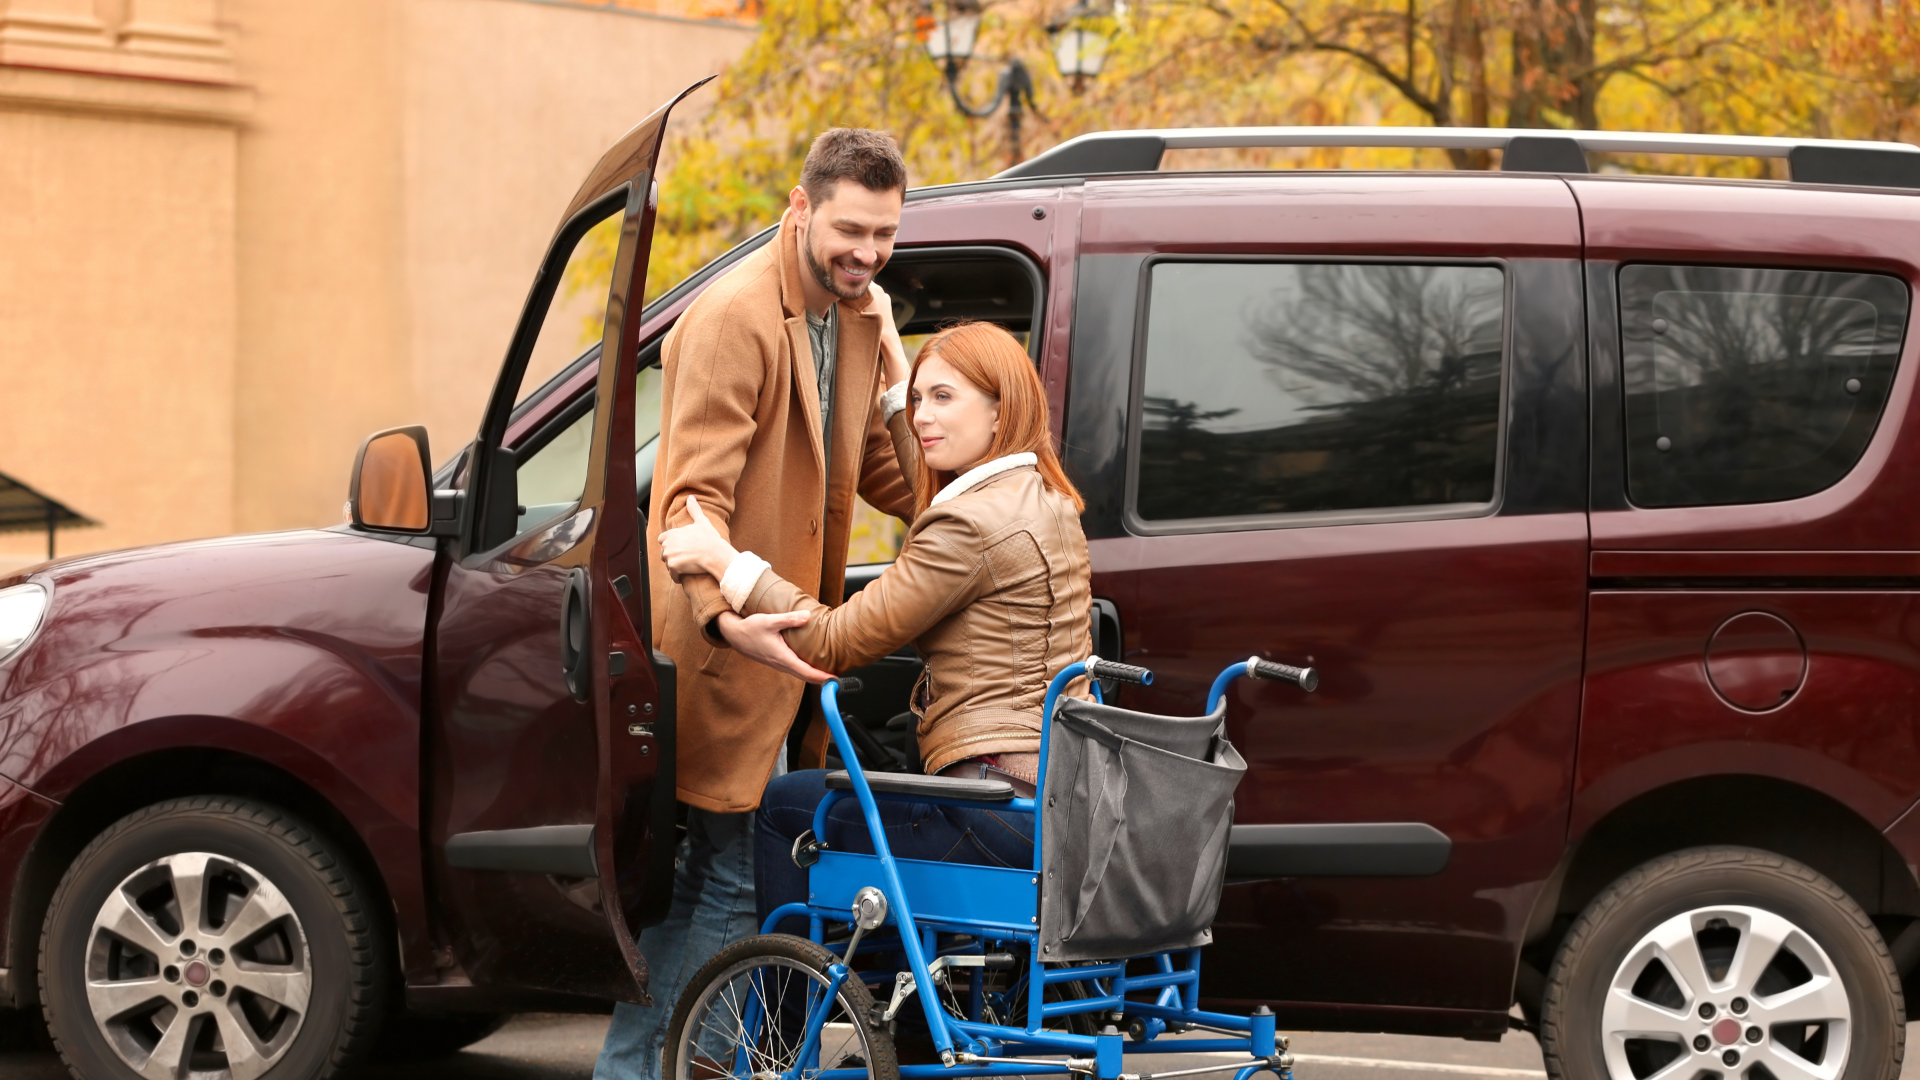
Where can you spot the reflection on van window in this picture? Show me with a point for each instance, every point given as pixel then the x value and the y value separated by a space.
pixel 1752 385
pixel 1281 388
pixel 553 478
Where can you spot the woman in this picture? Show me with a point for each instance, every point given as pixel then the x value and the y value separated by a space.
pixel 992 585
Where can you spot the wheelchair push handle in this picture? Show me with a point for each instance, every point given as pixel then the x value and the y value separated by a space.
pixel 1305 678
pixel 1126 673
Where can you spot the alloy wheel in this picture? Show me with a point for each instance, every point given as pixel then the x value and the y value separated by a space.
pixel 197 965
pixel 1726 991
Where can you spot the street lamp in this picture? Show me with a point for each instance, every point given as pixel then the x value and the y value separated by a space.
pixel 1080 45
pixel 1080 48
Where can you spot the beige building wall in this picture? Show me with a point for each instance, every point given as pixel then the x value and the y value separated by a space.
pixel 509 104
pixel 117 310
pixel 323 319
pixel 211 288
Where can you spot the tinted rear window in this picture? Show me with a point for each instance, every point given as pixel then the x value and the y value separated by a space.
pixel 1285 388
pixel 1747 385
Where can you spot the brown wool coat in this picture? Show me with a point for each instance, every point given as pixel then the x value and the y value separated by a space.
pixel 739 430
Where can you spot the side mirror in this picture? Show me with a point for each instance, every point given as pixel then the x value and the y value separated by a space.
pixel 389 488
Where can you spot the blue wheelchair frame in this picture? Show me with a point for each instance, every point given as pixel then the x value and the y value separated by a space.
pixel 999 904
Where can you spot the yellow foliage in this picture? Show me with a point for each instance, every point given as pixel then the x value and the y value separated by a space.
pixel 1827 68
pixel 875 536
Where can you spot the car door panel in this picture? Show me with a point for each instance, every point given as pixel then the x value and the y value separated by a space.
pixel 1730 633
pixel 549 756
pixel 1448 642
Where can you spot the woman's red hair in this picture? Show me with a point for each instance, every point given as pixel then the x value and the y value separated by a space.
pixel 994 361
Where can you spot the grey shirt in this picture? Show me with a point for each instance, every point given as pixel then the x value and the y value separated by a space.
pixel 824 334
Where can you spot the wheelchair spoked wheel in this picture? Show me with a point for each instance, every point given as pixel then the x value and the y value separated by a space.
pixel 743 1016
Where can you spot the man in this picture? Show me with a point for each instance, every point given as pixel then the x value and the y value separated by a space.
pixel 771 417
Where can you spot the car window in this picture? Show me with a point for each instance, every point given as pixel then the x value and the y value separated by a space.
pixel 1300 388
pixel 552 477
pixel 932 288
pixel 576 318
pixel 1748 385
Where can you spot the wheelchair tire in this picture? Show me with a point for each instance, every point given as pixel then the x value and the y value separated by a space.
pixel 781 966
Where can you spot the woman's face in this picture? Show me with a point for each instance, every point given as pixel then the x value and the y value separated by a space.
pixel 954 418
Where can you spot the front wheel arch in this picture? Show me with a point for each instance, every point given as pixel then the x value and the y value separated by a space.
pixel 214 932
pixel 127 786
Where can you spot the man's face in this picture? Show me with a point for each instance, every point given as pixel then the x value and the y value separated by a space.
pixel 848 236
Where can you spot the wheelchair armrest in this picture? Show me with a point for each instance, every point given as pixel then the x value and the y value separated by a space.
pixel 915 784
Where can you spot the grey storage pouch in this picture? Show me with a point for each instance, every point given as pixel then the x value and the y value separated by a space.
pixel 1138 811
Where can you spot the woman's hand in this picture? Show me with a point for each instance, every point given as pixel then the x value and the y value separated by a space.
pixel 893 354
pixel 696 547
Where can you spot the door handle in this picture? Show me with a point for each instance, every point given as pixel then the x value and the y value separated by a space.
pixel 576 630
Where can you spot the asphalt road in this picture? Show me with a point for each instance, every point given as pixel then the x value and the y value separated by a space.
pixel 548 1047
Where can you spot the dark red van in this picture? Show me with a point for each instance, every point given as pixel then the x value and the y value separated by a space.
pixel 1592 497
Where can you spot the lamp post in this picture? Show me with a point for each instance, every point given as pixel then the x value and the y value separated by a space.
pixel 1080 48
pixel 1080 45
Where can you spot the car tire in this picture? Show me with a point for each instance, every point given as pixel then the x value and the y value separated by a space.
pixel 284 969
pixel 1723 960
pixel 411 1036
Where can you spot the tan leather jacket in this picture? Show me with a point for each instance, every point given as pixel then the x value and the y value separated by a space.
pixel 993 586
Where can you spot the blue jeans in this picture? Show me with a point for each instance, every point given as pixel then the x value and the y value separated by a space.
pixel 914 831
pixel 712 908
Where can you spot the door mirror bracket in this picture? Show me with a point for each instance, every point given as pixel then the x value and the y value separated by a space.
pixel 447 505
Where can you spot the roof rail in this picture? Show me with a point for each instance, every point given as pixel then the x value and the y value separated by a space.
pixel 1810 161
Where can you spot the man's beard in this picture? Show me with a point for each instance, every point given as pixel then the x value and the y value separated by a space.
pixel 824 274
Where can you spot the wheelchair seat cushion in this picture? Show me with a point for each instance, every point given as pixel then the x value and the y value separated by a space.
pixel 918 785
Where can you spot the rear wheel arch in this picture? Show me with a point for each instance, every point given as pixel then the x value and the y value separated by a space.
pixel 130 785
pixel 1722 956
pixel 1758 812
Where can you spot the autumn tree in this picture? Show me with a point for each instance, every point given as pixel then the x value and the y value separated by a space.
pixel 1830 68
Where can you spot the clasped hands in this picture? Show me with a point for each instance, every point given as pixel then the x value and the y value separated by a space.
pixel 698 548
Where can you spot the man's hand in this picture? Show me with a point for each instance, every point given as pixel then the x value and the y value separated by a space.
pixel 758 638
pixel 893 355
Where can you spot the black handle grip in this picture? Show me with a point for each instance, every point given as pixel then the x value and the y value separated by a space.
pixel 849 684
pixel 575 630
pixel 1305 678
pixel 1126 673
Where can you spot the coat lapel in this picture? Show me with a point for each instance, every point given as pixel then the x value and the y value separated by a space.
pixel 806 379
pixel 856 373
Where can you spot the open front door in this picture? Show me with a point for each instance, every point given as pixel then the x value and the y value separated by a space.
pixel 550 734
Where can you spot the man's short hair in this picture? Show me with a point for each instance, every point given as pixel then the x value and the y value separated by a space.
pixel 867 157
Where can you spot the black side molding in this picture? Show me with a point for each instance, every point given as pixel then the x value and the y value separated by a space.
pixel 1359 849
pixel 565 850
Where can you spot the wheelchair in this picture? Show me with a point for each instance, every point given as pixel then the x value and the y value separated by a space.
pixel 1066 967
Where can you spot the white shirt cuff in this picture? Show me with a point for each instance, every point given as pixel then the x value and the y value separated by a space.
pixel 736 585
pixel 893 402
